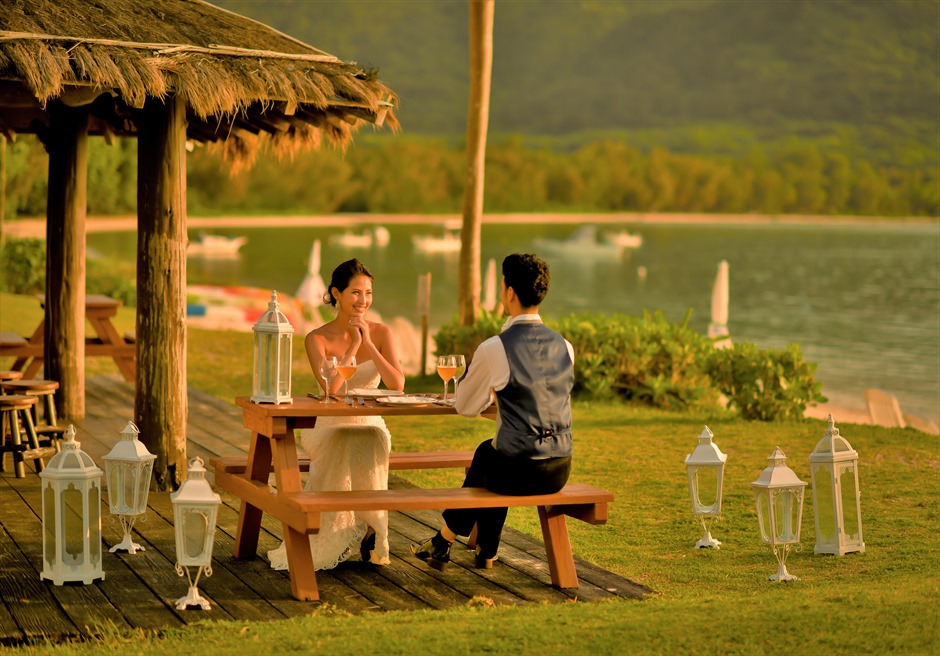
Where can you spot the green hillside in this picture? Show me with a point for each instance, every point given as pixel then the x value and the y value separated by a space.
pixel 564 67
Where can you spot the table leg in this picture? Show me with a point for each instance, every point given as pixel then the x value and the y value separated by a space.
pixel 558 548
pixel 303 577
pixel 249 518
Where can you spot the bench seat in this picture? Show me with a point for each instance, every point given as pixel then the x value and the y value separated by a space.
pixel 396 461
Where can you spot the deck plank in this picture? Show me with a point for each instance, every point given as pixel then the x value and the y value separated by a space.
pixel 139 591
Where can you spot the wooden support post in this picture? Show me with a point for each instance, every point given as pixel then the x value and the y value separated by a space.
pixel 424 311
pixel 64 336
pixel 161 406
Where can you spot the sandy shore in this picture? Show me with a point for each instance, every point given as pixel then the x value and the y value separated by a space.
pixel 36 228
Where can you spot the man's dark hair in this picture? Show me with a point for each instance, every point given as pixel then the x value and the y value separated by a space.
pixel 528 276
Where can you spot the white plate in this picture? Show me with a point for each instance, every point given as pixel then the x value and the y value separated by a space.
pixel 406 400
pixel 373 392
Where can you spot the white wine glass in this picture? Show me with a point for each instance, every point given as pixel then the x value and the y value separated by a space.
pixel 347 370
pixel 328 372
pixel 446 366
pixel 461 363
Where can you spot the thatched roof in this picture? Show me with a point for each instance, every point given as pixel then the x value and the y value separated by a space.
pixel 239 78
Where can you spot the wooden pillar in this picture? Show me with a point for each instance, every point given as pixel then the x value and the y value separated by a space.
pixel 161 406
pixel 478 114
pixel 64 348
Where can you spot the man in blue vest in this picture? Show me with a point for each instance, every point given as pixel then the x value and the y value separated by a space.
pixel 529 370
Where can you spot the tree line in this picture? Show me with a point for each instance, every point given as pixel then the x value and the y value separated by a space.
pixel 425 175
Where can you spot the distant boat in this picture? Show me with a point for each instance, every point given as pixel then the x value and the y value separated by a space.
pixel 216 245
pixel 235 307
pixel 624 239
pixel 582 244
pixel 449 242
pixel 378 236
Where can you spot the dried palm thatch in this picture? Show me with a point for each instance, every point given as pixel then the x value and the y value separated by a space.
pixel 240 79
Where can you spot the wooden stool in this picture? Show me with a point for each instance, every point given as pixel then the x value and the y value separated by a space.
pixel 45 391
pixel 6 376
pixel 16 408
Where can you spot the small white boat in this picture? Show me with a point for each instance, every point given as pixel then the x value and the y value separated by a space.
pixel 449 242
pixel 624 239
pixel 216 245
pixel 582 244
pixel 378 236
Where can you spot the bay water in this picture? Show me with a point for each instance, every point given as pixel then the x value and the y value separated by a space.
pixel 862 299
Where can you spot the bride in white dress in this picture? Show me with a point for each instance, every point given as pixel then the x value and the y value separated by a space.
pixel 349 453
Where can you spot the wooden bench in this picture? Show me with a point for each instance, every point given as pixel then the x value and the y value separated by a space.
pixel 396 461
pixel 300 511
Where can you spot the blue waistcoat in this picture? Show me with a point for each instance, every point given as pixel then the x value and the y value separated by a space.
pixel 535 405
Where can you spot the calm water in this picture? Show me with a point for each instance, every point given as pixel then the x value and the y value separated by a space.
pixel 862 300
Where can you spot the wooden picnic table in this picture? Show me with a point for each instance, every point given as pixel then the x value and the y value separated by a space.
pixel 108 342
pixel 273 446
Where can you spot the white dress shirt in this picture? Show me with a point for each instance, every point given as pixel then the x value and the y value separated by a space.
pixel 489 372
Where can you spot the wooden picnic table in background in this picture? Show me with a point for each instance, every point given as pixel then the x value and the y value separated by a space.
pixel 108 342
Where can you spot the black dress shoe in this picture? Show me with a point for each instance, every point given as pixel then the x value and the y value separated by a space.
pixel 432 551
pixel 482 562
pixel 367 546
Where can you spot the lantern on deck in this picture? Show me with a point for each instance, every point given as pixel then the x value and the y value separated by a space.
pixel 71 515
pixel 272 356
pixel 128 468
pixel 705 467
pixel 778 494
pixel 195 506
pixel 836 495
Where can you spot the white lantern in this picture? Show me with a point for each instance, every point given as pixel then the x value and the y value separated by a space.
pixel 71 515
pixel 128 468
pixel 705 467
pixel 836 495
pixel 778 494
pixel 272 356
pixel 195 506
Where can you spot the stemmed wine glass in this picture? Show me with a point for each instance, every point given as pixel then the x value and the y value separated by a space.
pixel 461 363
pixel 328 372
pixel 446 368
pixel 347 370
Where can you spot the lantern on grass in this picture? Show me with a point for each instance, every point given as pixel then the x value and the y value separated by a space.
pixel 705 467
pixel 836 496
pixel 127 470
pixel 195 506
pixel 272 356
pixel 778 494
pixel 71 515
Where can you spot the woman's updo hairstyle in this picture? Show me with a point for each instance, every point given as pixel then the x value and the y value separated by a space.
pixel 342 275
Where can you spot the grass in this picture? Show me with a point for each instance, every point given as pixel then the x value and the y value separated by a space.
pixel 884 600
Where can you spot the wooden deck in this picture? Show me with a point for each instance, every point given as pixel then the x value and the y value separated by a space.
pixel 139 591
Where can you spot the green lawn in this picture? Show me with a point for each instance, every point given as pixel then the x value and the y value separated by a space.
pixel 885 600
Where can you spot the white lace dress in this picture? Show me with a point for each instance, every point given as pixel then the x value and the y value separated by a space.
pixel 346 453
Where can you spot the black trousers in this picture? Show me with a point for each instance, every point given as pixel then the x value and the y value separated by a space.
pixel 504 475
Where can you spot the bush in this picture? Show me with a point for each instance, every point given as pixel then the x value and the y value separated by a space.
pixel 23 267
pixel 765 384
pixel 23 271
pixel 657 363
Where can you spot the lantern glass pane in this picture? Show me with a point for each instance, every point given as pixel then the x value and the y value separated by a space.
pixel 269 366
pixel 763 514
pixel 786 516
pixel 705 486
pixel 825 506
pixel 284 368
pixel 143 488
pixel 94 524
pixel 195 528
pixel 849 504
pixel 73 529
pixel 256 366
pixel 130 489
pixel 48 524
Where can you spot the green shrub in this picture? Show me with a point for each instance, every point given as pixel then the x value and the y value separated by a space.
pixel 23 271
pixel 765 384
pixel 23 266
pixel 666 365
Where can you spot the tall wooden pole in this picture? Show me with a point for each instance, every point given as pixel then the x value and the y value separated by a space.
pixel 161 405
pixel 478 114
pixel 64 345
